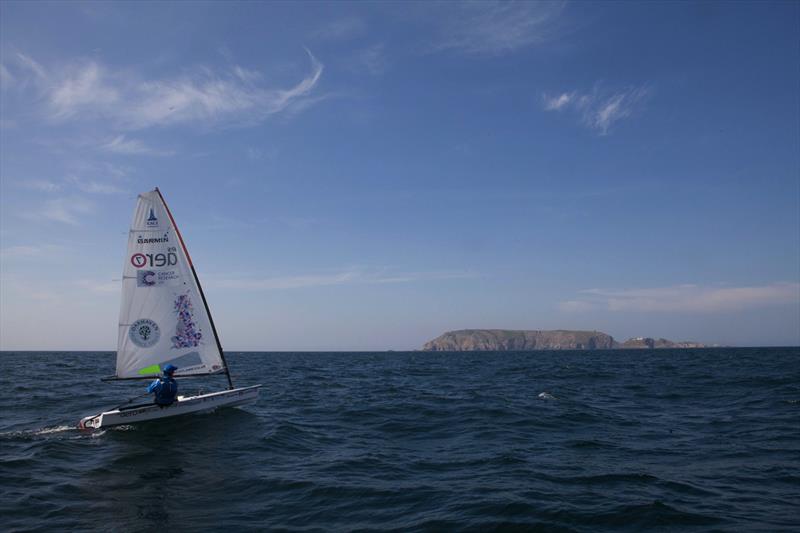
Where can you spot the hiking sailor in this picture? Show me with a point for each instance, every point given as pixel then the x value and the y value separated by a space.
pixel 165 387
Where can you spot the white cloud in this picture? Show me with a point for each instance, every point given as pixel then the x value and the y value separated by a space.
pixel 341 29
pixel 67 210
pixel 90 90
pixel 84 89
pixel 257 153
pixel 615 108
pixel 20 71
pixel 287 282
pixel 94 187
pixel 124 145
pixel 29 64
pixel 686 298
pixel 575 306
pixel 496 27
pixel 254 154
pixel 213 98
pixel 6 78
pixel 41 185
pixel 103 287
pixel 372 59
pixel 555 103
pixel 30 251
pixel 74 183
pixel 598 110
pixel 247 76
pixel 345 277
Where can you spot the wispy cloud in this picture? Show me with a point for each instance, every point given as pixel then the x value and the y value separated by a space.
pixel 95 187
pixel 6 78
pixel 685 298
pixel 575 306
pixel 67 210
pixel 124 145
pixel 258 153
pixel 372 59
pixel 89 89
pixel 599 110
pixel 84 89
pixel 297 222
pixel 20 71
pixel 344 277
pixel 41 185
pixel 496 27
pixel 555 103
pixel 102 287
pixel 341 29
pixel 32 66
pixel 37 251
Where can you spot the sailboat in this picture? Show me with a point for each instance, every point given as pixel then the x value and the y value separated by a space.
pixel 164 319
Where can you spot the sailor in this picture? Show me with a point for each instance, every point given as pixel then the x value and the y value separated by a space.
pixel 165 387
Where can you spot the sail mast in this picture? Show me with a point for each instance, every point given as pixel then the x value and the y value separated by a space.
pixel 200 289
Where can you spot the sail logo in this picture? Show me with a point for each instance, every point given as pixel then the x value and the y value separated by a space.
pixel 140 260
pixel 187 333
pixel 144 333
pixel 152 220
pixel 152 240
pixel 151 278
pixel 145 278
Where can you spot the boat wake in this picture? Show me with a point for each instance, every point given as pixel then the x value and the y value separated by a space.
pixel 41 432
pixel 70 432
pixel 56 429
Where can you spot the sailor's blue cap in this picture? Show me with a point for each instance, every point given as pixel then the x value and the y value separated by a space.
pixel 169 369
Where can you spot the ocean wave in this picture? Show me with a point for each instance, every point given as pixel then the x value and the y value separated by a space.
pixel 417 442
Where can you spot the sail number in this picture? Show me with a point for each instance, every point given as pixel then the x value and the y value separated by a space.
pixel 140 260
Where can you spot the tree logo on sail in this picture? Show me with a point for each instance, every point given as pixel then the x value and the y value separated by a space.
pixel 144 333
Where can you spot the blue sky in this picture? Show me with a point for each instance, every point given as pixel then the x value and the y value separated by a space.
pixel 368 175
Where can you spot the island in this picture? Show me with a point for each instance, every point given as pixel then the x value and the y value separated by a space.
pixel 498 340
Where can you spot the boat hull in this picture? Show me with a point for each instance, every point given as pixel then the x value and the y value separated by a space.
pixel 185 405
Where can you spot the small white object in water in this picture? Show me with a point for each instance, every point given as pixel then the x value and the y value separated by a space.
pixel 546 396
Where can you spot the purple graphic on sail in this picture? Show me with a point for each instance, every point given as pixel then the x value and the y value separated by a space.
pixel 187 334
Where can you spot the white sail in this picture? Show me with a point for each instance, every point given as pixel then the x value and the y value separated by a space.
pixel 163 318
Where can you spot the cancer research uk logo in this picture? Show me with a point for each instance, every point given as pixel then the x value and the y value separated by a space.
pixel 145 278
pixel 151 278
pixel 144 333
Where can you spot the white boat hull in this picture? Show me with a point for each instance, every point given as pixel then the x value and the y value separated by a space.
pixel 183 406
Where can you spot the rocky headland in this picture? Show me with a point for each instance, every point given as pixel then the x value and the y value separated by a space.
pixel 498 340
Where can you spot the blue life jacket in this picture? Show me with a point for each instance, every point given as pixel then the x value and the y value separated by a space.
pixel 166 389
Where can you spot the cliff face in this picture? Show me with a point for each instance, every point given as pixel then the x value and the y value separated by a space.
pixel 504 340
pixel 498 340
pixel 650 343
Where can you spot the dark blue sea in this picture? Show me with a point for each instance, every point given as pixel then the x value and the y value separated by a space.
pixel 667 440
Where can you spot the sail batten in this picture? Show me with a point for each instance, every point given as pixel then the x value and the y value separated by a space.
pixel 163 315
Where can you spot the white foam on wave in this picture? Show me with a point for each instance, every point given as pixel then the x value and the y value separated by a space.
pixel 36 432
pixel 55 429
pixel 546 396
